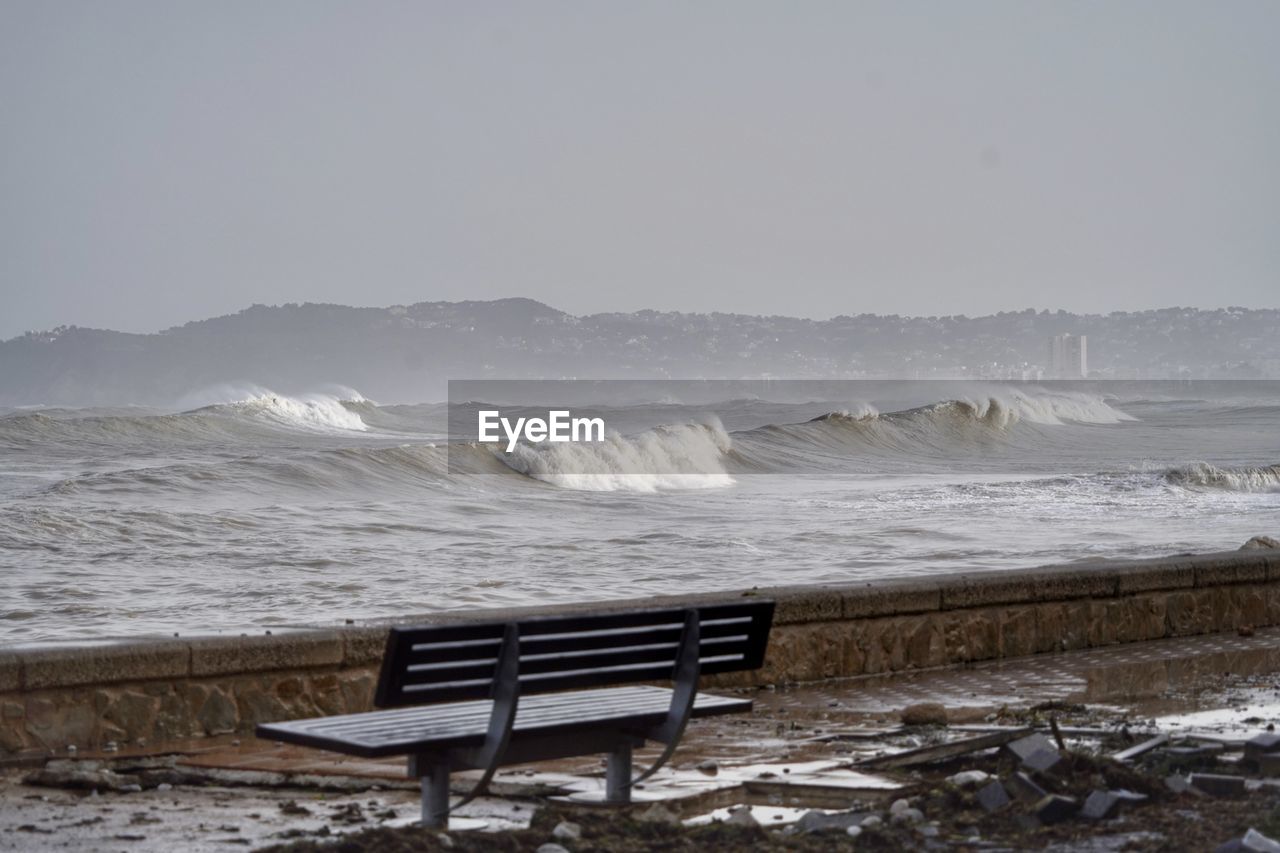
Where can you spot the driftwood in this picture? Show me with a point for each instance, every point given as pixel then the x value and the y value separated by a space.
pixel 1140 748
pixel 944 751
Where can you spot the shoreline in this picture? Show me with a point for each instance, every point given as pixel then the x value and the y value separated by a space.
pixel 129 692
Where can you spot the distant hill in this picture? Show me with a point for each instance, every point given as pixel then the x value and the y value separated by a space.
pixel 406 353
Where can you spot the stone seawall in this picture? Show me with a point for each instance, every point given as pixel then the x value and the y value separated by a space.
pixel 140 691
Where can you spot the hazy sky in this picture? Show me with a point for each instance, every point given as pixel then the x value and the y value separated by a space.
pixel 166 161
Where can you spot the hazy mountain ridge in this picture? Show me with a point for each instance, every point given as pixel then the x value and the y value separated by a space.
pixel 406 353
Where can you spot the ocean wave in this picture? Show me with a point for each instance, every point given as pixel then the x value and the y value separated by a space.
pixel 1259 478
pixel 323 410
pixel 680 456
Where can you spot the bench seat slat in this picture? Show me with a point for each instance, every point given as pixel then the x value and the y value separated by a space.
pixel 424 728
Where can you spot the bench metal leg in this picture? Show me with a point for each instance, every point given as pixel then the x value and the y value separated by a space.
pixel 435 796
pixel 617 775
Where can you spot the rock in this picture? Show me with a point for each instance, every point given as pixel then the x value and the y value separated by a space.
pixel 1261 744
pixel 133 712
pixel 741 816
pixel 969 778
pixel 1025 788
pixel 1252 842
pixel 1042 760
pixel 566 831
pixel 925 714
pixel 853 831
pixel 907 816
pixel 1256 841
pixel 1099 805
pixel 1056 808
pixel 899 806
pixel 708 767
pixel 1260 542
pixel 815 821
pixel 551 847
pixel 445 841
pixel 1217 784
pixel 993 796
pixel 218 714
pixel 1177 783
pixel 871 821
pixel 658 813
pixel 1027 747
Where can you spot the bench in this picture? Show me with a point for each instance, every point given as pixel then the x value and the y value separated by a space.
pixel 490 694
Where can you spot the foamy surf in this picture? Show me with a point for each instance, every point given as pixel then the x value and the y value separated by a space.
pixel 1261 478
pixel 321 410
pixel 681 456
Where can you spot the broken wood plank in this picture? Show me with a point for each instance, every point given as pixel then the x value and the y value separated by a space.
pixel 1140 748
pixel 943 751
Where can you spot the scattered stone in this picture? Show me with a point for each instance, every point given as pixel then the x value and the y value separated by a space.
pixel 1025 788
pixel 1024 748
pixel 907 816
pixel 1099 805
pixel 445 841
pixel 1252 842
pixel 1177 783
pixel 993 797
pixel 1056 808
pixel 1260 542
pixel 815 821
pixel 551 847
pixel 853 831
pixel 566 831
pixel 1256 841
pixel 968 778
pixel 742 816
pixel 871 821
pixel 709 767
pixel 1261 744
pixel 658 813
pixel 925 714
pixel 899 806
pixel 1042 760
pixel 1217 784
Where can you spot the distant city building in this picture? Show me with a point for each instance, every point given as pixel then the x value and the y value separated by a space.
pixel 1068 356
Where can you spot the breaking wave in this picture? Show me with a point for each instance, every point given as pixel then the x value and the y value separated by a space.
pixel 1263 478
pixel 316 411
pixel 682 456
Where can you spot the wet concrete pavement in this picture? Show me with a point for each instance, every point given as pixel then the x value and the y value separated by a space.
pixel 797 751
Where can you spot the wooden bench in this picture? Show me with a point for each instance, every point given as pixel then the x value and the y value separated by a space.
pixel 485 695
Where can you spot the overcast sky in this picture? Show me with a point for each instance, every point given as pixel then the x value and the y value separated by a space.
pixel 166 161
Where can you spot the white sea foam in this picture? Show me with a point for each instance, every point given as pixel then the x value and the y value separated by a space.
pixel 1045 407
pixel 681 456
pixel 1262 478
pixel 316 411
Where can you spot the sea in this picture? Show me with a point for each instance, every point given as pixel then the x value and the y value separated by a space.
pixel 241 510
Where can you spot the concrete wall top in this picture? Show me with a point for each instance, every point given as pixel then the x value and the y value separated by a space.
pixel 32 666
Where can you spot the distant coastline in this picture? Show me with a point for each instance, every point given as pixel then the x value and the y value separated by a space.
pixel 407 353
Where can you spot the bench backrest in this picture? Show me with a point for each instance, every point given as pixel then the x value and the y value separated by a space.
pixel 449 663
